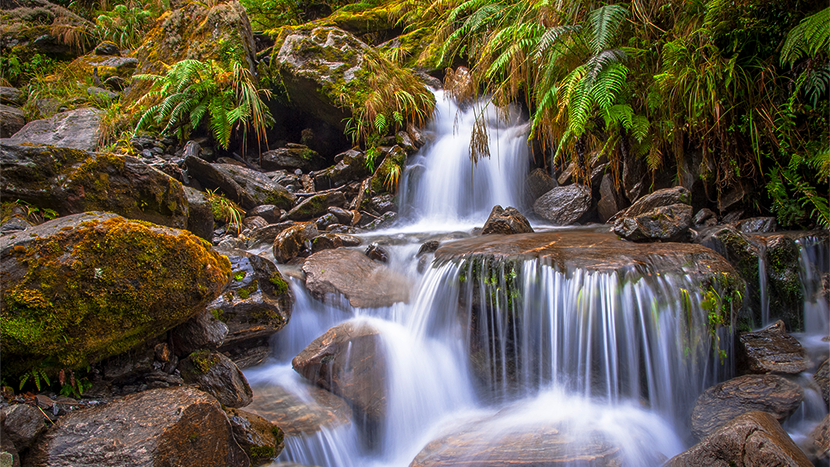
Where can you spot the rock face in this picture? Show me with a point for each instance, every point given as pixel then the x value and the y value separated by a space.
pixel 564 205
pixel 721 403
pixel 176 426
pixel 752 439
pixel 297 417
pixel 255 305
pixel 538 183
pixel 348 361
pixel 77 129
pixel 88 286
pixel 218 376
pixel 771 350
pixel 506 221
pixel 365 283
pixel 664 223
pixel 72 181
pixel 22 423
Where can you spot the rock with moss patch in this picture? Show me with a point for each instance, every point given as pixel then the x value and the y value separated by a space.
pixel 293 241
pixel 784 289
pixel 77 129
pixel 175 426
pixel 350 167
pixel 292 158
pixel 255 305
pixel 203 331
pixel 106 66
pixel 85 287
pixel 214 373
pixel 261 439
pixel 389 172
pixel 316 205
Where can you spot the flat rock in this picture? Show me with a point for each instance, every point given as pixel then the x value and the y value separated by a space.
pixel 659 198
pixel 77 129
pixel 771 350
pixel 365 283
pixel 722 402
pixel 300 416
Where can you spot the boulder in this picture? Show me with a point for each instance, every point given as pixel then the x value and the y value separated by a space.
pixel 784 288
pixel 316 205
pixel 107 66
pixel 22 423
pixel 365 283
pixel 376 252
pixel 722 402
pixel 259 438
pixel 610 200
pixel 384 221
pixel 269 212
pixel 199 214
pixel 634 177
pixel 157 427
pixel 107 48
pixel 10 96
pixel 664 223
pixel 771 350
pixel 348 360
pixel 325 220
pixel 383 203
pixel 351 167
pixel 752 439
pixel 343 216
pixel 12 119
pixel 822 378
pixel 73 181
pixel 388 172
pixel 818 441
pixel 538 183
pixel 325 241
pixel 217 375
pixel 255 305
pixel 564 205
pixel 506 221
pixel 300 416
pixel 203 331
pixel 84 287
pixel 241 185
pixel 705 218
pixel 76 129
pixel 292 158
pixel 267 234
pixel 292 241
pixel 758 225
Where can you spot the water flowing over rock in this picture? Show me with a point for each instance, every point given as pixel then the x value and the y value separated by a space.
pixel 819 439
pixel 725 401
pixel 506 221
pixel 218 376
pixel 365 283
pixel 297 417
pixel 76 129
pixel 771 350
pixel 157 427
pixel 752 439
pixel 564 205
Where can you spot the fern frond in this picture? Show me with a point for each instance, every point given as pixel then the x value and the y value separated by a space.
pixel 605 22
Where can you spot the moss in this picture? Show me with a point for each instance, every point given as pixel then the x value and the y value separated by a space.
pixel 246 292
pixel 203 360
pixel 262 452
pixel 239 275
pixel 280 286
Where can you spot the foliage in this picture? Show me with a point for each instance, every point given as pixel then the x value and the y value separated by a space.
pixel 225 210
pixel 72 387
pixel 36 374
pixel 16 71
pixel 31 213
pixel 125 24
pixel 191 90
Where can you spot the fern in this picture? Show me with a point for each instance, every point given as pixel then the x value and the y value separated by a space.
pixel 810 38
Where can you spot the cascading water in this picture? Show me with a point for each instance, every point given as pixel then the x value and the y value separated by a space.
pixel 492 353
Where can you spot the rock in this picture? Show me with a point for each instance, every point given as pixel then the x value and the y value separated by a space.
pixel 664 223
pixel 8 453
pixel 101 94
pixel 116 83
pixel 156 427
pixel 12 120
pixel 269 212
pixel 217 375
pixel 660 198
pixel 758 225
pixel 292 158
pixel 254 222
pixel 506 221
pixel 538 183
pixel 705 218
pixel 107 66
pixel 22 424
pixel 255 305
pixel 430 246
pixel 732 196
pixel 818 441
pixel 14 224
pixel 247 187
pixel 325 220
pixel 292 241
pixel 610 200
pixel 377 253
pixel 784 288
pixel 343 216
pixel 84 287
pixel 635 173
pixel 203 331
pixel 365 283
pixel 316 206
pixel 822 378
pixel 383 203
pixel 76 129
pixel 751 439
pixel 258 437
pixel 107 48
pixel 382 222
pixel 722 402
pixel 73 181
pixel 564 205
pixel 350 168
pixel 10 96
pixel 200 214
pixel 300 416
pixel 267 234
pixel 386 176
pixel 348 360
pixel 326 241
pixel 771 350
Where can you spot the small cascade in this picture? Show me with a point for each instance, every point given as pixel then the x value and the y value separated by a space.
pixel 814 272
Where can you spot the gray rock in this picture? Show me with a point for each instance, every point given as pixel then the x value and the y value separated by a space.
pixel 107 48
pixel 10 96
pixel 610 201
pixel 758 225
pixel 350 168
pixel 316 205
pixel 269 212
pixel 12 119
pixel 247 187
pixel 217 375
pixel 705 218
pixel 818 441
pixel 506 221
pixel 77 129
pixel 564 205
pixel 292 158
pixel 199 214
pixel 664 223
pixel 664 197
pixel 259 438
pixel 383 203
pixel 771 350
pixel 23 423
pixel 203 331
pixel 267 234
pixel 382 222
pixel 538 183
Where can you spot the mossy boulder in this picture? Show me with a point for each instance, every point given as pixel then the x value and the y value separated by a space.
pixel 107 66
pixel 389 171
pixel 85 287
pixel 71 181
pixel 786 296
pixel 261 439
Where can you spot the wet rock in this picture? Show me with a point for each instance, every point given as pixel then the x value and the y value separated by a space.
pixel 203 331
pixel 73 181
pixel 610 200
pixel 22 424
pixel 10 96
pixel 217 375
pixel 659 198
pixel 818 441
pixel 732 196
pixel 292 241
pixel 107 48
pixel 705 218
pixel 383 203
pixel 377 253
pixel 76 129
pixel 292 158
pixel 258 437
pixel 316 205
pixel 254 222
pixel 326 220
pixel 384 221
pixel 758 225
pixel 506 221
pixel 348 360
pixel 351 167
pixel 342 230
pixel 269 212
pixel 386 178
pixel 12 120
pixel 822 378
pixel 241 185
pixel 784 289
pixel 635 178
pixel 268 233
pixel 326 241
pixel 365 283
pixel 751 439
pixel 538 183
pixel 199 213
pixel 156 427
pixel 255 305
pixel 771 350
pixel 122 282
pixel 564 205
pixel 722 402
pixel 664 223
pixel 343 216
pixel 428 247
pixel 9 456
pixel 299 417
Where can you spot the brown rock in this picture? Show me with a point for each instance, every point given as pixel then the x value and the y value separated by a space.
pixel 818 441
pixel 22 423
pixel 660 198
pixel 348 361
pixel 365 283
pixel 261 439
pixel 292 241
pixel 664 223
pixel 298 417
pixel 326 241
pixel 506 221
pixel 316 206
pixel 822 378
pixel 175 427
pixel 203 331
pixel 771 350
pixel 752 439
pixel 538 183
pixel 722 402
pixel 217 375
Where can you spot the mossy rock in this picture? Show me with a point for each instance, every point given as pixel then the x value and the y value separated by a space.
pixel 384 175
pixel 107 65
pixel 260 438
pixel 88 286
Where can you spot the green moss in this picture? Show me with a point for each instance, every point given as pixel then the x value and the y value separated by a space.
pixel 203 360
pixel 246 292
pixel 280 286
pixel 262 452
pixel 239 275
